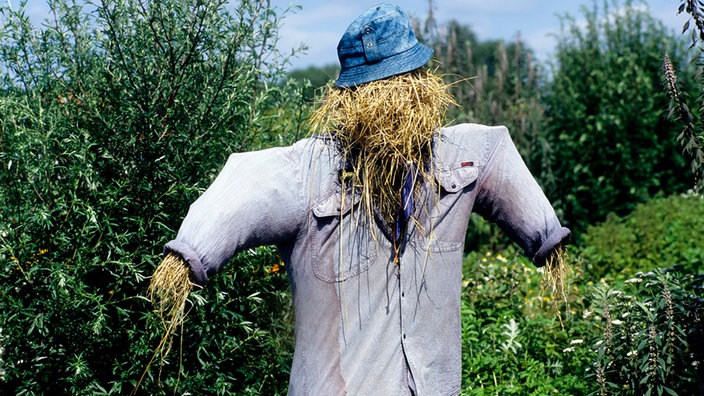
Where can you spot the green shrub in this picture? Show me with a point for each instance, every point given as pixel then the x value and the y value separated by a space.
pixel 113 119
pixel 611 143
pixel 660 233
pixel 650 335
pixel 513 341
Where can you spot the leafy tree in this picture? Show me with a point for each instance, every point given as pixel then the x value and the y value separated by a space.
pixel 316 76
pixel 611 143
pixel 114 116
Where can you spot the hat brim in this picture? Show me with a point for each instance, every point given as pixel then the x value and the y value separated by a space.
pixel 417 56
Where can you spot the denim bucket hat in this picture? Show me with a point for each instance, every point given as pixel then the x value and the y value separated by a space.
pixel 380 43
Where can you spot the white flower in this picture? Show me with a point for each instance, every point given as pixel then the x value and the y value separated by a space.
pixel 576 342
pixel 632 353
pixel 587 313
pixel 633 280
pixel 616 322
pixel 570 349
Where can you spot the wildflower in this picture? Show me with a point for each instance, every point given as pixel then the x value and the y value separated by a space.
pixel 633 280
pixel 275 268
pixel 576 342
pixel 632 353
pixel 570 349
pixel 616 322
pixel 587 313
pixel 501 258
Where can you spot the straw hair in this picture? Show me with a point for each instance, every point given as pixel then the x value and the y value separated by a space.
pixel 168 291
pixel 555 274
pixel 170 286
pixel 381 126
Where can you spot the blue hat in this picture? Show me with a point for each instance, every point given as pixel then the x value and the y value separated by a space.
pixel 380 43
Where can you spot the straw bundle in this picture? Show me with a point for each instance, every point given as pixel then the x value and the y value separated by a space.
pixel 168 290
pixel 381 126
pixel 555 274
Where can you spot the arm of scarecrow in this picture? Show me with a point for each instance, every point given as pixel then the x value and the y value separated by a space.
pixel 255 200
pixel 510 197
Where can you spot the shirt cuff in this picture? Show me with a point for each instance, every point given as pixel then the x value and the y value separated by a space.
pixel 556 238
pixel 187 253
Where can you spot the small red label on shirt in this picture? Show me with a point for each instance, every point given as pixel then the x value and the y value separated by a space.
pixel 467 163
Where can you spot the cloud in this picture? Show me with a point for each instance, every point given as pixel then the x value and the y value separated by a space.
pixel 319 27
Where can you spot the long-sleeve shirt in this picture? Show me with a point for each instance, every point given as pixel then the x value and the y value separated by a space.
pixel 364 324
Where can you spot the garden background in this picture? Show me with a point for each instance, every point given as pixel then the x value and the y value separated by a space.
pixel 115 115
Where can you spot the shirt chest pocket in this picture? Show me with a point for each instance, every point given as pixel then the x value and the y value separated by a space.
pixel 456 179
pixel 343 246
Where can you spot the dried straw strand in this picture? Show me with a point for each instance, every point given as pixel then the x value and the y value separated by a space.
pixel 169 288
pixel 555 273
pixel 168 291
pixel 381 126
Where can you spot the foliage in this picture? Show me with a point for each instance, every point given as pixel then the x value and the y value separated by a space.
pixel 317 77
pixel 691 138
pixel 114 117
pixel 611 144
pixel 512 339
pixel 637 337
pixel 650 335
pixel 660 233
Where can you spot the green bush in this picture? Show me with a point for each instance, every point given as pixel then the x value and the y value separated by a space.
pixel 611 143
pixel 632 336
pixel 513 341
pixel 660 233
pixel 113 119
pixel 650 335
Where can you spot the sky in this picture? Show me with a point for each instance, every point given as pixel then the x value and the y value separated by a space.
pixel 319 24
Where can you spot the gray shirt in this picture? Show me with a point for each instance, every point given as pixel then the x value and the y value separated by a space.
pixel 363 324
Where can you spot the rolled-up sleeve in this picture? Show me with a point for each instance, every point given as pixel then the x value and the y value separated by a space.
pixel 510 197
pixel 255 200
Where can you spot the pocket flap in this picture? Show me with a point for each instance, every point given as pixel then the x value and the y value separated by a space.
pixel 454 179
pixel 332 204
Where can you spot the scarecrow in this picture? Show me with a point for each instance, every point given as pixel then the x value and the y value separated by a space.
pixel 369 215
